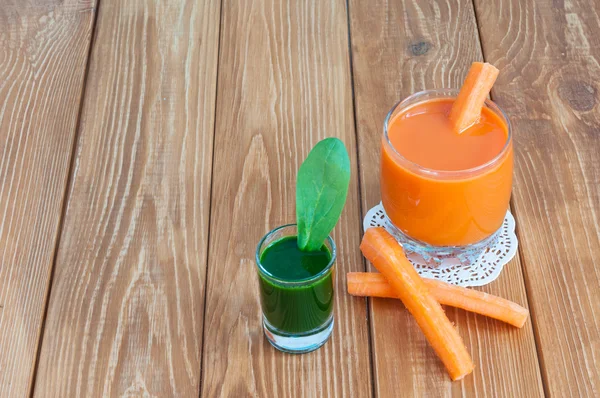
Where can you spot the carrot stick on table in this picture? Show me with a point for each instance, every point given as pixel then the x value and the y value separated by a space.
pixel 466 110
pixel 379 247
pixel 375 285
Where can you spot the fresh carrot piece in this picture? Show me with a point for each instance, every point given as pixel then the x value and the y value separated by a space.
pixel 375 285
pixel 466 110
pixel 379 247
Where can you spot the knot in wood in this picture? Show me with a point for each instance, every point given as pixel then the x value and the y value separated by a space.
pixel 419 48
pixel 579 95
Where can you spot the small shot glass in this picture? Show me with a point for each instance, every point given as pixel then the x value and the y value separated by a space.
pixel 297 313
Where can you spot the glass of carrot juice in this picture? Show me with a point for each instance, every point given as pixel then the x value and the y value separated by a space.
pixel 446 193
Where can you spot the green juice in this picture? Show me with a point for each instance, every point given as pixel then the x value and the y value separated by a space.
pixel 296 308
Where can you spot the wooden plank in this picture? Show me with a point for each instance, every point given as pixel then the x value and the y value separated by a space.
pixel 284 84
pixel 549 54
pixel 126 307
pixel 399 48
pixel 43 56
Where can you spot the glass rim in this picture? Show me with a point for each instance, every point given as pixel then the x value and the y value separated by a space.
pixel 295 282
pixel 448 93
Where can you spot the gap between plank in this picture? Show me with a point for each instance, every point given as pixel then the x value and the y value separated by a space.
pixel 531 310
pixel 65 199
pixel 210 194
pixel 520 247
pixel 360 198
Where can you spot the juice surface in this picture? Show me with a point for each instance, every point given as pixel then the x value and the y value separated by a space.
pixel 424 136
pixel 295 309
pixel 443 210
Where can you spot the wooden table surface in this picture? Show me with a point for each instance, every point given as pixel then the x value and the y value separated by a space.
pixel 147 145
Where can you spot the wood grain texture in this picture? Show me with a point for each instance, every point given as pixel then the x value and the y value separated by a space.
pixel 549 55
pixel 400 48
pixel 126 306
pixel 284 84
pixel 43 56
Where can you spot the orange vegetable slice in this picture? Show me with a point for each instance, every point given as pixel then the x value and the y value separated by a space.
pixel 379 247
pixel 375 285
pixel 466 110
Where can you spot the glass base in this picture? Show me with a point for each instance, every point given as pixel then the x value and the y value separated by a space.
pixel 298 343
pixel 434 255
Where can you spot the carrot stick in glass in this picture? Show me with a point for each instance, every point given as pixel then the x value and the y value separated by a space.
pixel 466 109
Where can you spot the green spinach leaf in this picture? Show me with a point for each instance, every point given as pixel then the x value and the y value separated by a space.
pixel 321 191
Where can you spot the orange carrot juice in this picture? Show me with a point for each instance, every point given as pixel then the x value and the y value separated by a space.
pixel 439 187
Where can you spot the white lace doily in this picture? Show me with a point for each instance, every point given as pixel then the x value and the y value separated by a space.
pixel 482 271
